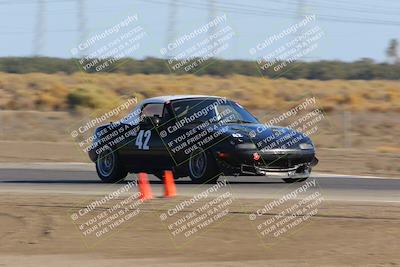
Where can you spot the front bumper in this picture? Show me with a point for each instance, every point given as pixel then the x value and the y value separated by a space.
pixel 280 164
pixel 298 171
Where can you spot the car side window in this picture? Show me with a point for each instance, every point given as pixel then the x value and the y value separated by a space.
pixel 151 110
pixel 181 108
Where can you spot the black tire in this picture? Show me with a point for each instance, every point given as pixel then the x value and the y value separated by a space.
pixel 109 168
pixel 294 180
pixel 202 167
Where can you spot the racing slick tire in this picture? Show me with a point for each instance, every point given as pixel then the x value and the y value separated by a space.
pixel 203 167
pixel 294 180
pixel 108 167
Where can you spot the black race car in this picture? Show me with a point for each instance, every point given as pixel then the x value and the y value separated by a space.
pixel 202 137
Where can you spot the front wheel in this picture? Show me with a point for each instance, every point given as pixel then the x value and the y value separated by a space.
pixel 202 167
pixel 108 167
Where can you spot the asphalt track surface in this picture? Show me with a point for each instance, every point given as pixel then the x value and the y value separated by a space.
pixel 76 178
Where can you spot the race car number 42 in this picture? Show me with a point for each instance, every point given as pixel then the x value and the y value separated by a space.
pixel 142 140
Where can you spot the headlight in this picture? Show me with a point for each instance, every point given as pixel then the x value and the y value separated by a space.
pixel 246 146
pixel 237 135
pixel 306 146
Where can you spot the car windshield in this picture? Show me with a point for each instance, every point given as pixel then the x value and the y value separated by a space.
pixel 207 109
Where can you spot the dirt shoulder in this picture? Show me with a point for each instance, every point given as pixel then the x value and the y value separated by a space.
pixel 37 229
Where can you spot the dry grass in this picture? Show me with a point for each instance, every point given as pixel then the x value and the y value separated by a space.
pixel 38 91
pixel 28 103
pixel 388 149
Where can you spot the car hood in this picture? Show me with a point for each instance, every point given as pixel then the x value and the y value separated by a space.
pixel 269 137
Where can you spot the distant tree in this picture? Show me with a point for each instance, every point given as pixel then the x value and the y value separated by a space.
pixel 392 51
pixel 365 68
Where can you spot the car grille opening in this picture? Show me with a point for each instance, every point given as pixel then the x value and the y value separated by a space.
pixel 286 161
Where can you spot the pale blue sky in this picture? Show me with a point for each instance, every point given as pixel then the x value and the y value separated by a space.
pixel 252 20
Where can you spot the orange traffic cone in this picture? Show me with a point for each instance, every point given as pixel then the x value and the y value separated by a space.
pixel 144 187
pixel 169 184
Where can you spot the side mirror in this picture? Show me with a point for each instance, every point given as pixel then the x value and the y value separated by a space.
pixel 156 120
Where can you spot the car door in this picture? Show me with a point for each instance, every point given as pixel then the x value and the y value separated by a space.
pixel 147 150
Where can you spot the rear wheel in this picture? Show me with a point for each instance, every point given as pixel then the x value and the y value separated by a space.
pixel 108 166
pixel 202 167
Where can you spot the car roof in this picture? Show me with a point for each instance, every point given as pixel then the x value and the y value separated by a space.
pixel 164 99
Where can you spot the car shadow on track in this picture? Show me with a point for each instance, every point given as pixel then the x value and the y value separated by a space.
pixel 70 181
pixel 229 182
pixel 52 181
